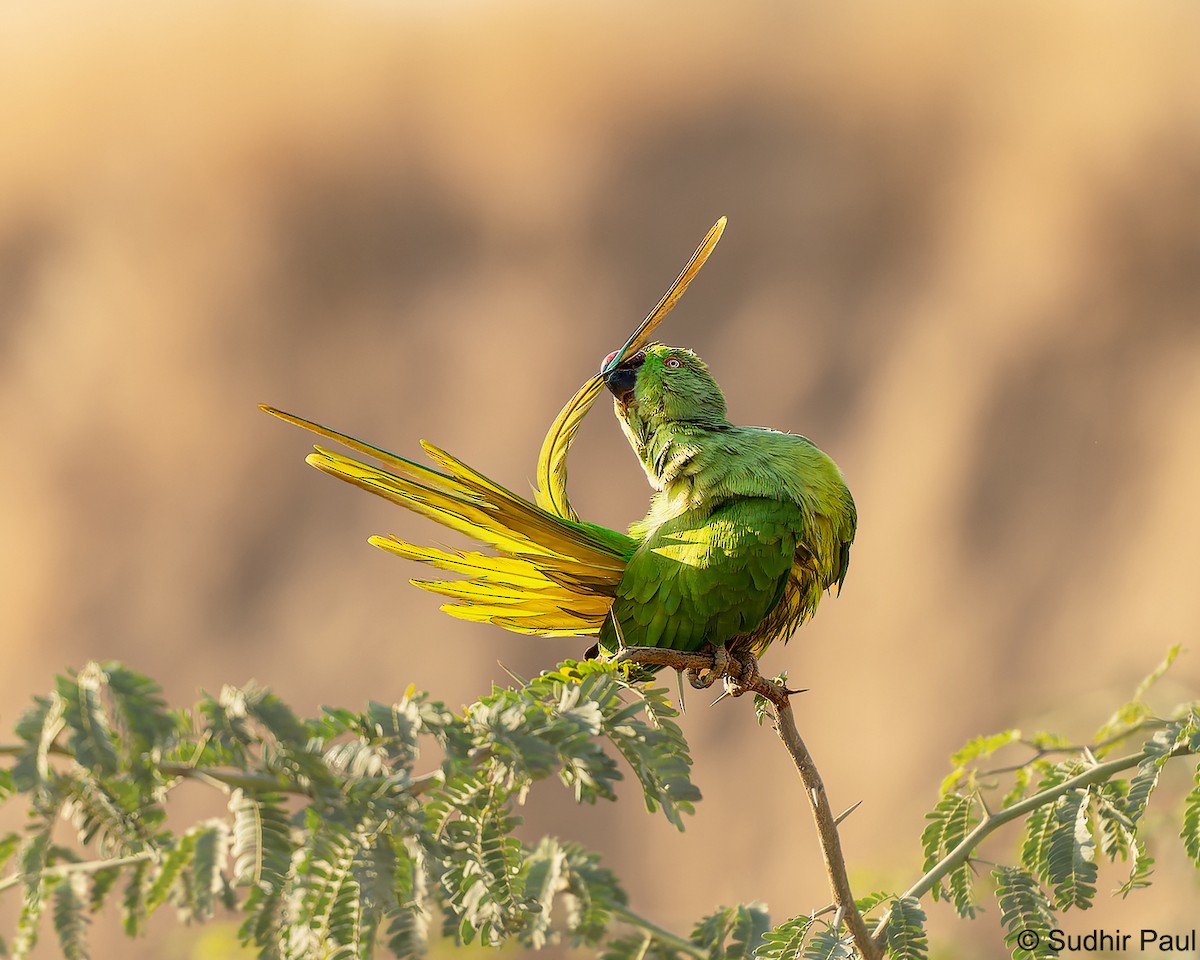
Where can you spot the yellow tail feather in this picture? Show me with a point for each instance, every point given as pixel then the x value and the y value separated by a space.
pixel 550 575
pixel 554 575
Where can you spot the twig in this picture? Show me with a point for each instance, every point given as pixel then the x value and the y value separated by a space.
pixel 743 671
pixel 1151 723
pixel 661 934
pixel 993 821
pixel 218 777
pixel 85 866
pixel 831 845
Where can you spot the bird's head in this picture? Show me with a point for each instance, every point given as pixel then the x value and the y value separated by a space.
pixel 661 383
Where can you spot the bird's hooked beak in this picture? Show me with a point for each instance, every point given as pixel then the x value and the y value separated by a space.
pixel 621 379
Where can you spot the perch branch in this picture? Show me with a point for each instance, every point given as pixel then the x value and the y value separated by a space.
pixel 742 676
pixel 827 832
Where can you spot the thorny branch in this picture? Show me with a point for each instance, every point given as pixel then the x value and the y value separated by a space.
pixel 741 676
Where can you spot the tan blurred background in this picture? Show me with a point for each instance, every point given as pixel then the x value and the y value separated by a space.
pixel 963 255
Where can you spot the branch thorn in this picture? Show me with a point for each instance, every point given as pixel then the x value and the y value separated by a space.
pixel 845 813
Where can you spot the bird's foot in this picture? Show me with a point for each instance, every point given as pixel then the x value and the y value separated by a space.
pixel 738 670
pixel 743 676
pixel 704 677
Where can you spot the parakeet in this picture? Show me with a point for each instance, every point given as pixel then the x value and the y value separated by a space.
pixel 746 530
pixel 748 526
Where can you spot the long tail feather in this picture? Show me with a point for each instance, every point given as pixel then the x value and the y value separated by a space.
pixel 551 490
pixel 550 575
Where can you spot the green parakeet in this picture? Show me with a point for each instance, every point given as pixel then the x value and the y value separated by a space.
pixel 748 526
pixel 747 529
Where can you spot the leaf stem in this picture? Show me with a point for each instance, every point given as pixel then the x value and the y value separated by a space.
pixel 661 934
pixel 85 866
pixel 993 821
pixel 215 776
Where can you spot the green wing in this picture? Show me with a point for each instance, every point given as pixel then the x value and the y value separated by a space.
pixel 704 579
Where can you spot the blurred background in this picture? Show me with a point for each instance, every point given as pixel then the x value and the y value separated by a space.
pixel 963 256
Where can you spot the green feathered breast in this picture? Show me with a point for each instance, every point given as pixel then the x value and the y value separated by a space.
pixel 748 528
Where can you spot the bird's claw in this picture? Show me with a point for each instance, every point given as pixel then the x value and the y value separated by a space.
pixel 743 676
pixel 738 672
pixel 704 677
pixel 700 678
pixel 737 669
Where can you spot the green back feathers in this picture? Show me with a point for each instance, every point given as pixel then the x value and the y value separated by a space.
pixel 765 518
pixel 706 578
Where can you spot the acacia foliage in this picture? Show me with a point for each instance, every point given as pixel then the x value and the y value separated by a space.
pixel 341 835
pixel 361 833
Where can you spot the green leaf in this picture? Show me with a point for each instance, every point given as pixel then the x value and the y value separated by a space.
pixel 170 872
pixel 974 749
pixel 1130 714
pixel 764 709
pixel 1139 873
pixel 711 931
pixel 1118 834
pixel 638 946
pixel 866 904
pixel 114 814
pixel 70 916
pixel 86 717
pixel 828 944
pixel 1142 784
pixel 750 926
pixel 1021 781
pixel 1023 906
pixel 395 728
pixel 906 938
pixel 545 879
pixel 330 914
pixel 211 849
pixel 102 883
pixel 948 824
pixel 1041 824
pixel 408 926
pixel 642 729
pixel 656 750
pixel 9 844
pixel 733 933
pixel 33 862
pixel 1191 822
pixel 133 900
pixel 39 727
pixel 592 894
pixel 1071 852
pixel 786 940
pixel 531 733
pixel 262 840
pixel 984 746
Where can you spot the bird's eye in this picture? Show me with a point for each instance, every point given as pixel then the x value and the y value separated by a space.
pixel 672 363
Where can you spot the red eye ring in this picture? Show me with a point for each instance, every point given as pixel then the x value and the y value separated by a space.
pixel 672 363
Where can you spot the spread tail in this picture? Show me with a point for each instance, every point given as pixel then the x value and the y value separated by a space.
pixel 549 575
